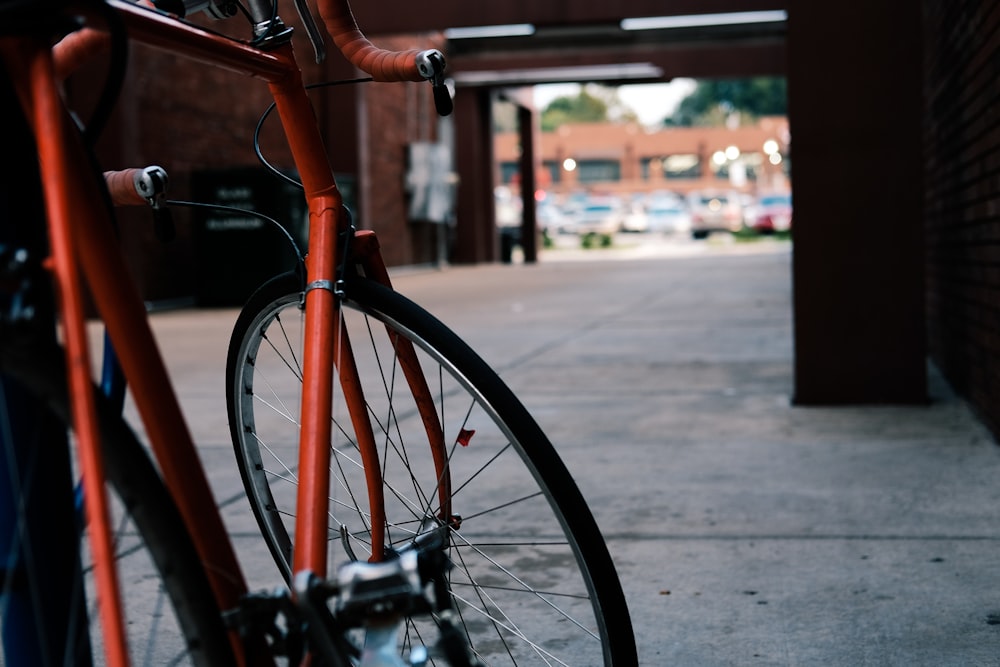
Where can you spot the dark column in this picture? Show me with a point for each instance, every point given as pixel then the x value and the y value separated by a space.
pixel 529 228
pixel 854 82
pixel 475 226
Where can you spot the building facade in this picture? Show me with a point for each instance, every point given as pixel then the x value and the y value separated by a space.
pixel 627 158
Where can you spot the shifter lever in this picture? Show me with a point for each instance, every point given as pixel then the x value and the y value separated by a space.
pixel 431 65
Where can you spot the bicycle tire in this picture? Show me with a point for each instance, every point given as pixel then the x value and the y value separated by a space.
pixel 157 562
pixel 533 580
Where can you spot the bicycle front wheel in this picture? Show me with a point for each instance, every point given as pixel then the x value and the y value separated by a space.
pixel 532 582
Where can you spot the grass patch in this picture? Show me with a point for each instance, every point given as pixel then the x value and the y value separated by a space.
pixel 750 236
pixel 595 240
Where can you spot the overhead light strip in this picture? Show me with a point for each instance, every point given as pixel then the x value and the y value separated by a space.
pixel 616 72
pixel 702 20
pixel 486 31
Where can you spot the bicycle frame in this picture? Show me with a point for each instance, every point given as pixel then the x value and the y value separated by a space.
pixel 83 243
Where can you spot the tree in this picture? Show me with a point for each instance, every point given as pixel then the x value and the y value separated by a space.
pixel 712 102
pixel 593 104
pixel 504 116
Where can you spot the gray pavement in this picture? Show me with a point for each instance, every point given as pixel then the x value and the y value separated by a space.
pixel 746 531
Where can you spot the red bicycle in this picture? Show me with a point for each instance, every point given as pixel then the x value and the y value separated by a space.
pixel 414 508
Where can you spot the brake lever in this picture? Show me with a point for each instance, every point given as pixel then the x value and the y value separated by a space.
pixel 431 66
pixel 309 23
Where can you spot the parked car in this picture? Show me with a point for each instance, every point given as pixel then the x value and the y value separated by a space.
pixel 714 212
pixel 668 216
pixel 748 208
pixel 551 220
pixel 598 216
pixel 572 204
pixel 635 218
pixel 774 213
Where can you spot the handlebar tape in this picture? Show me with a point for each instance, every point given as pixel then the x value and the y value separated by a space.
pixel 121 186
pixel 76 48
pixel 381 64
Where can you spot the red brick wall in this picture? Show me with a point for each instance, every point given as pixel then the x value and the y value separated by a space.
pixel 629 145
pixel 962 148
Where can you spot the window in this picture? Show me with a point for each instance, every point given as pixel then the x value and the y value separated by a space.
pixel 747 166
pixel 681 165
pixel 508 171
pixel 593 171
pixel 554 170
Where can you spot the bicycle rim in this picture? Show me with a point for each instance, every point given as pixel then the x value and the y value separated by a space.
pixel 532 580
pixel 171 615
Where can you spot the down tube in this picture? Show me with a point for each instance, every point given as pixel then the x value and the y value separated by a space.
pixel 57 167
pixel 118 302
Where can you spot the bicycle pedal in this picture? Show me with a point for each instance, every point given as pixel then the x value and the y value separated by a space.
pixel 389 587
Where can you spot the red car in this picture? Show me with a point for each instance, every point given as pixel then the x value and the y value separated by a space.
pixel 774 213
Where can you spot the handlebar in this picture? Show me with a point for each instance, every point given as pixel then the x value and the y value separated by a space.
pixel 77 48
pixel 132 187
pixel 381 64
pixel 123 186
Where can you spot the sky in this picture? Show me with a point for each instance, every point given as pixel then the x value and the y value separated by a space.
pixel 651 101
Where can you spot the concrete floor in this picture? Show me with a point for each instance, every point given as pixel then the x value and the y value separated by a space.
pixel 746 531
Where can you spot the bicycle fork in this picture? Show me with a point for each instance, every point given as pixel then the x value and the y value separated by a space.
pixel 327 348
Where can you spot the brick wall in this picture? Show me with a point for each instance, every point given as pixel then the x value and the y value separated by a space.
pixel 962 158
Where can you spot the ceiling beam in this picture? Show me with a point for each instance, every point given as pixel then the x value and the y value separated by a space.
pixel 609 53
pixel 403 16
pixel 616 66
pixel 586 41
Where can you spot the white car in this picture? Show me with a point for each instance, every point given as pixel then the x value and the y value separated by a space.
pixel 669 216
pixel 550 219
pixel 635 219
pixel 598 216
pixel 714 212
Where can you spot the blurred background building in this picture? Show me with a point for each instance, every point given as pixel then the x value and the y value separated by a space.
pixel 629 158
